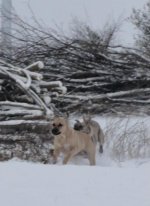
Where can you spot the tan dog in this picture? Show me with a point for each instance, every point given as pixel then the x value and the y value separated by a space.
pixel 93 129
pixel 70 142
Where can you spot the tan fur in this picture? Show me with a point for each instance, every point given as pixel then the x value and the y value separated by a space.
pixel 71 142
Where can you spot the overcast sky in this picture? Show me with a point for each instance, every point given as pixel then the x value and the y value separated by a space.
pixel 95 12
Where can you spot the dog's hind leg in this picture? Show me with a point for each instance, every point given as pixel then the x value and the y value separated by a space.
pixel 91 155
pixel 101 140
pixel 101 148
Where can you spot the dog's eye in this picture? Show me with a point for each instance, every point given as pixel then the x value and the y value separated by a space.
pixel 60 125
pixel 54 124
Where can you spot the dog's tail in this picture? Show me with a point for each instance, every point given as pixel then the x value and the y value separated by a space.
pixel 101 140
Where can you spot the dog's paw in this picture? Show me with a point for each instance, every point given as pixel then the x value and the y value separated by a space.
pixel 51 152
pixel 54 162
pixel 101 149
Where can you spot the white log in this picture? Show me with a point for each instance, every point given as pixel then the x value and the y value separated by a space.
pixel 31 93
pixel 51 84
pixel 60 90
pixel 35 66
pixel 19 71
pixel 20 122
pixel 20 112
pixel 107 95
pixel 29 81
pixel 47 99
pixel 131 101
pixel 7 104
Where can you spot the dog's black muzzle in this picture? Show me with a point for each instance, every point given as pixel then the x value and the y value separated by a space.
pixel 56 131
pixel 78 127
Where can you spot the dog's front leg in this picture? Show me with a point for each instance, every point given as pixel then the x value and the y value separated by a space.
pixel 69 155
pixel 56 154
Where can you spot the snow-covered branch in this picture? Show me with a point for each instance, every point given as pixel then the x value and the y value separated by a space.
pixel 20 84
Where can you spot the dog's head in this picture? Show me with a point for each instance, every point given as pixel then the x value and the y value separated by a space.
pixel 78 125
pixel 59 125
pixel 81 126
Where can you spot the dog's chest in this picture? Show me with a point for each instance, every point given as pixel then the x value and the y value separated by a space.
pixel 66 146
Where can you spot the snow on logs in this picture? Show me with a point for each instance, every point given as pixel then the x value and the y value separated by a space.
pixel 24 94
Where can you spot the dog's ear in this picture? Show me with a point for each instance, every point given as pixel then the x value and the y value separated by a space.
pixel 86 118
pixel 89 117
pixel 77 121
pixel 66 115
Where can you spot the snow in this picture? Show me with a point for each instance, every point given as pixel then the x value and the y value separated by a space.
pixel 28 184
pixel 111 182
pixel 63 89
pixel 47 99
pixel 40 64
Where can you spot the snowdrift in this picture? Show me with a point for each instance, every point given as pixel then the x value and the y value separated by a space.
pixel 26 184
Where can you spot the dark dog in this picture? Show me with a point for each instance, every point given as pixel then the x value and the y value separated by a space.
pixel 92 128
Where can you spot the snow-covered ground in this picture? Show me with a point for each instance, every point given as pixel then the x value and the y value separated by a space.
pixel 28 184
pixel 121 176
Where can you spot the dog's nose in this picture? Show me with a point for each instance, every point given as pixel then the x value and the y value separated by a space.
pixel 78 127
pixel 55 131
pixel 75 127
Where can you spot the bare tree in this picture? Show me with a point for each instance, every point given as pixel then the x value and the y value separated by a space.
pixel 141 20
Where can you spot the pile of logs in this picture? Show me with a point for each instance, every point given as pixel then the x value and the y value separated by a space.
pixel 101 76
pixel 24 95
pixel 109 84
